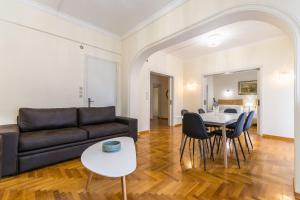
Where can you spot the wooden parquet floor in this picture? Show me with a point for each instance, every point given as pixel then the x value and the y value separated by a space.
pixel 267 174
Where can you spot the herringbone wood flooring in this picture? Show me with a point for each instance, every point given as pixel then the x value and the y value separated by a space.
pixel 267 174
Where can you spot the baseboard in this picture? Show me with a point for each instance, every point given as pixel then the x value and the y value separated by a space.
pixel 285 139
pixel 143 132
pixel 177 125
pixel 164 118
pixel 297 195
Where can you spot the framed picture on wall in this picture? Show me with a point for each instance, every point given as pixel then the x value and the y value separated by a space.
pixel 248 87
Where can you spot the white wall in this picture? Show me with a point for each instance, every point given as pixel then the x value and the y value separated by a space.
pixel 164 64
pixel 274 56
pixel 39 69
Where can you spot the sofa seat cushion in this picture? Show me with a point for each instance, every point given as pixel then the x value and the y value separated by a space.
pixel 47 138
pixel 101 130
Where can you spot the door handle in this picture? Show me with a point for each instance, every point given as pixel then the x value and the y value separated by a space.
pixel 90 101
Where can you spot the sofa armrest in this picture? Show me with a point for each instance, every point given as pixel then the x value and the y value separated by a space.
pixel 132 123
pixel 9 136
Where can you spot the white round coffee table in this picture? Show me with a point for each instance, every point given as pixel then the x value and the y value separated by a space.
pixel 116 164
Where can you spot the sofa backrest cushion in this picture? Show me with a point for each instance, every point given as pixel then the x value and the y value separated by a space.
pixel 90 116
pixel 31 119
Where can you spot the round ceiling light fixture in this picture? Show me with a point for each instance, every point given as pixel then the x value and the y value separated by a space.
pixel 214 40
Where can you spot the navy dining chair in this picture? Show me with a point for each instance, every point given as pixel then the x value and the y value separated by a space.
pixel 193 128
pixel 233 135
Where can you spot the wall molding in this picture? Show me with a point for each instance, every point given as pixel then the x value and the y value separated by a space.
pixel 297 195
pixel 177 125
pixel 160 13
pixel 143 132
pixel 70 18
pixel 59 36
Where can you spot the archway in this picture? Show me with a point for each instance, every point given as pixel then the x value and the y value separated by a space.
pixel 242 13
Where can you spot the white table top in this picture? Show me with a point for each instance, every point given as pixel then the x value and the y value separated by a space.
pixel 219 118
pixel 114 164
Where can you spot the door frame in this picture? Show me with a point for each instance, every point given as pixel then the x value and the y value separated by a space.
pixel 85 82
pixel 171 95
pixel 259 69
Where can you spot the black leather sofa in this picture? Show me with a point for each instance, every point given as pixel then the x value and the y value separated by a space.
pixel 46 136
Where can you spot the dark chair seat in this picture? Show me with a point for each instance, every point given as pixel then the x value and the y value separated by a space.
pixel 231 126
pixel 47 138
pixel 229 133
pixel 96 131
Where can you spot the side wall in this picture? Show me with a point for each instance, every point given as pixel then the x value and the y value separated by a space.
pixel 41 63
pixel 276 60
pixel 164 64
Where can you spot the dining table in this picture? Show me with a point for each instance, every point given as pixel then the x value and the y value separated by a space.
pixel 221 120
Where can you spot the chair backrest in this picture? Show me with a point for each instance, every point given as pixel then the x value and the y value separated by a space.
pixel 193 126
pixel 201 111
pixel 248 121
pixel 183 111
pixel 230 110
pixel 239 128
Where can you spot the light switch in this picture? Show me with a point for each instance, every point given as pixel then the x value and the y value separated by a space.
pixel 80 92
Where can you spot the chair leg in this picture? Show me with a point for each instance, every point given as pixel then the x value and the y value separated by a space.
pixel 211 150
pixel 249 139
pixel 204 157
pixel 236 153
pixel 181 143
pixel 182 151
pixel 241 148
pixel 207 147
pixel 200 151
pixel 218 144
pixel 193 148
pixel 215 137
pixel 229 146
pixel 218 148
pixel 245 137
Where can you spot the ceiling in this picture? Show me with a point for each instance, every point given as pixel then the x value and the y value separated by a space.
pixel 233 35
pixel 116 16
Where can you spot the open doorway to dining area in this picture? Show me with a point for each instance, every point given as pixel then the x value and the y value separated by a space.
pixel 235 92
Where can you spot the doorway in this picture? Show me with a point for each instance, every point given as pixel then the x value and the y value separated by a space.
pixel 223 17
pixel 161 95
pixel 239 90
pixel 101 82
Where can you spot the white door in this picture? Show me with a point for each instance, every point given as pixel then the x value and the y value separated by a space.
pixel 155 100
pixel 101 83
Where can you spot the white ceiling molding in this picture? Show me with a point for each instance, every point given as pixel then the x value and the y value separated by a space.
pixel 171 6
pixel 232 35
pixel 69 18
